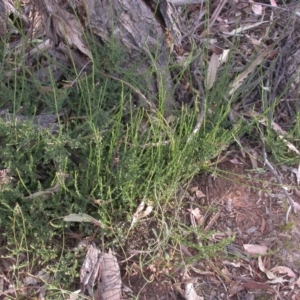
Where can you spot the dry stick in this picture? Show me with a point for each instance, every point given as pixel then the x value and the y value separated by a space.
pixel 267 5
pixel 273 171
pixel 202 97
pixel 217 13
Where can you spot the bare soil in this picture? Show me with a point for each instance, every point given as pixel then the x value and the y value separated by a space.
pixel 250 206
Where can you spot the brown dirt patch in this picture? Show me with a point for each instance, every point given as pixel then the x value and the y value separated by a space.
pixel 247 204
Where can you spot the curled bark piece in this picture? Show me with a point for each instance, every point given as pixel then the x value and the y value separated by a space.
pixel 104 268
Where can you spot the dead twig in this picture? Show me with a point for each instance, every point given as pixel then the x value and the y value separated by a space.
pixel 217 13
pixel 201 95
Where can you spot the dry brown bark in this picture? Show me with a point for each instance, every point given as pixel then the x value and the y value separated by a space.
pixel 130 23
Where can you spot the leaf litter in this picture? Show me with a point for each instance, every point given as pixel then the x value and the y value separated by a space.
pixel 102 271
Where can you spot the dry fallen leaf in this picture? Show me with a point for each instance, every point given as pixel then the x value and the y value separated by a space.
pixel 198 216
pixel 75 295
pixel 256 8
pixel 4 176
pixel 235 161
pixel 212 70
pixel 255 42
pixel 199 194
pixel 237 82
pixel 229 205
pixel 273 3
pixel 243 28
pixel 253 249
pixel 89 271
pixel 195 190
pixel 224 56
pixel 190 293
pixel 103 269
pixel 261 266
pixel 284 270
pixel 296 206
pixel 110 285
pixel 263 225
pixel 140 213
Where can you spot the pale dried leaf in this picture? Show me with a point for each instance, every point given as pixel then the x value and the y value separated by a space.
pixel 235 264
pixel 193 189
pixel 212 70
pixel 277 280
pixel 141 213
pixel 196 213
pixel 90 269
pixel 140 207
pixel 243 28
pixel 253 249
pixel 229 205
pixel 110 284
pixel 224 56
pixel 190 293
pixel 273 3
pixel 263 225
pixel 235 161
pixel 29 280
pixel 298 174
pixel 237 82
pixel 199 194
pixel 257 9
pixel 226 272
pixel 198 216
pixel 284 270
pixel 146 212
pixel 296 206
pixel 74 295
pixel 4 177
pixel 261 266
pixel 255 42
